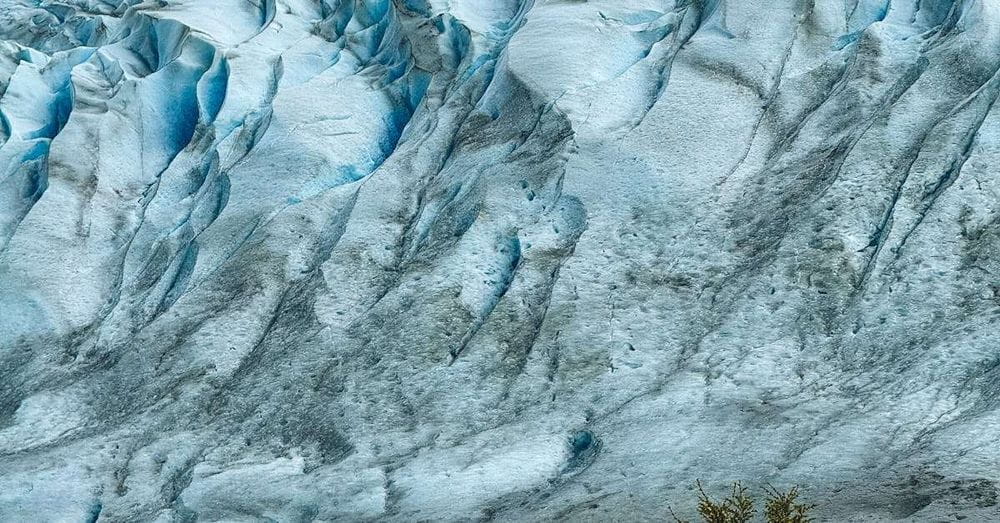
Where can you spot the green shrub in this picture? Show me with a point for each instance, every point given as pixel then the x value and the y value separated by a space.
pixel 780 507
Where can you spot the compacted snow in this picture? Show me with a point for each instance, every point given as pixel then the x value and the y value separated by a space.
pixel 314 260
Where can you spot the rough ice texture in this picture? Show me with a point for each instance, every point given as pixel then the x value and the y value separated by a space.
pixel 457 259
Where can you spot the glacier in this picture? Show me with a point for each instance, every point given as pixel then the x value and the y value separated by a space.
pixel 514 260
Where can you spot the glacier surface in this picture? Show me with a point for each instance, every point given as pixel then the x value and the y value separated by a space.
pixel 315 260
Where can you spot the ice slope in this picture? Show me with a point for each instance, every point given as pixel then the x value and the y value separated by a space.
pixel 283 260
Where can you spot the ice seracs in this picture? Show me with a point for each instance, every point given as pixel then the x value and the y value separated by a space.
pixel 513 260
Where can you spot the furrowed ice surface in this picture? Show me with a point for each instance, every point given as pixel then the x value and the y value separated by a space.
pixel 497 259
